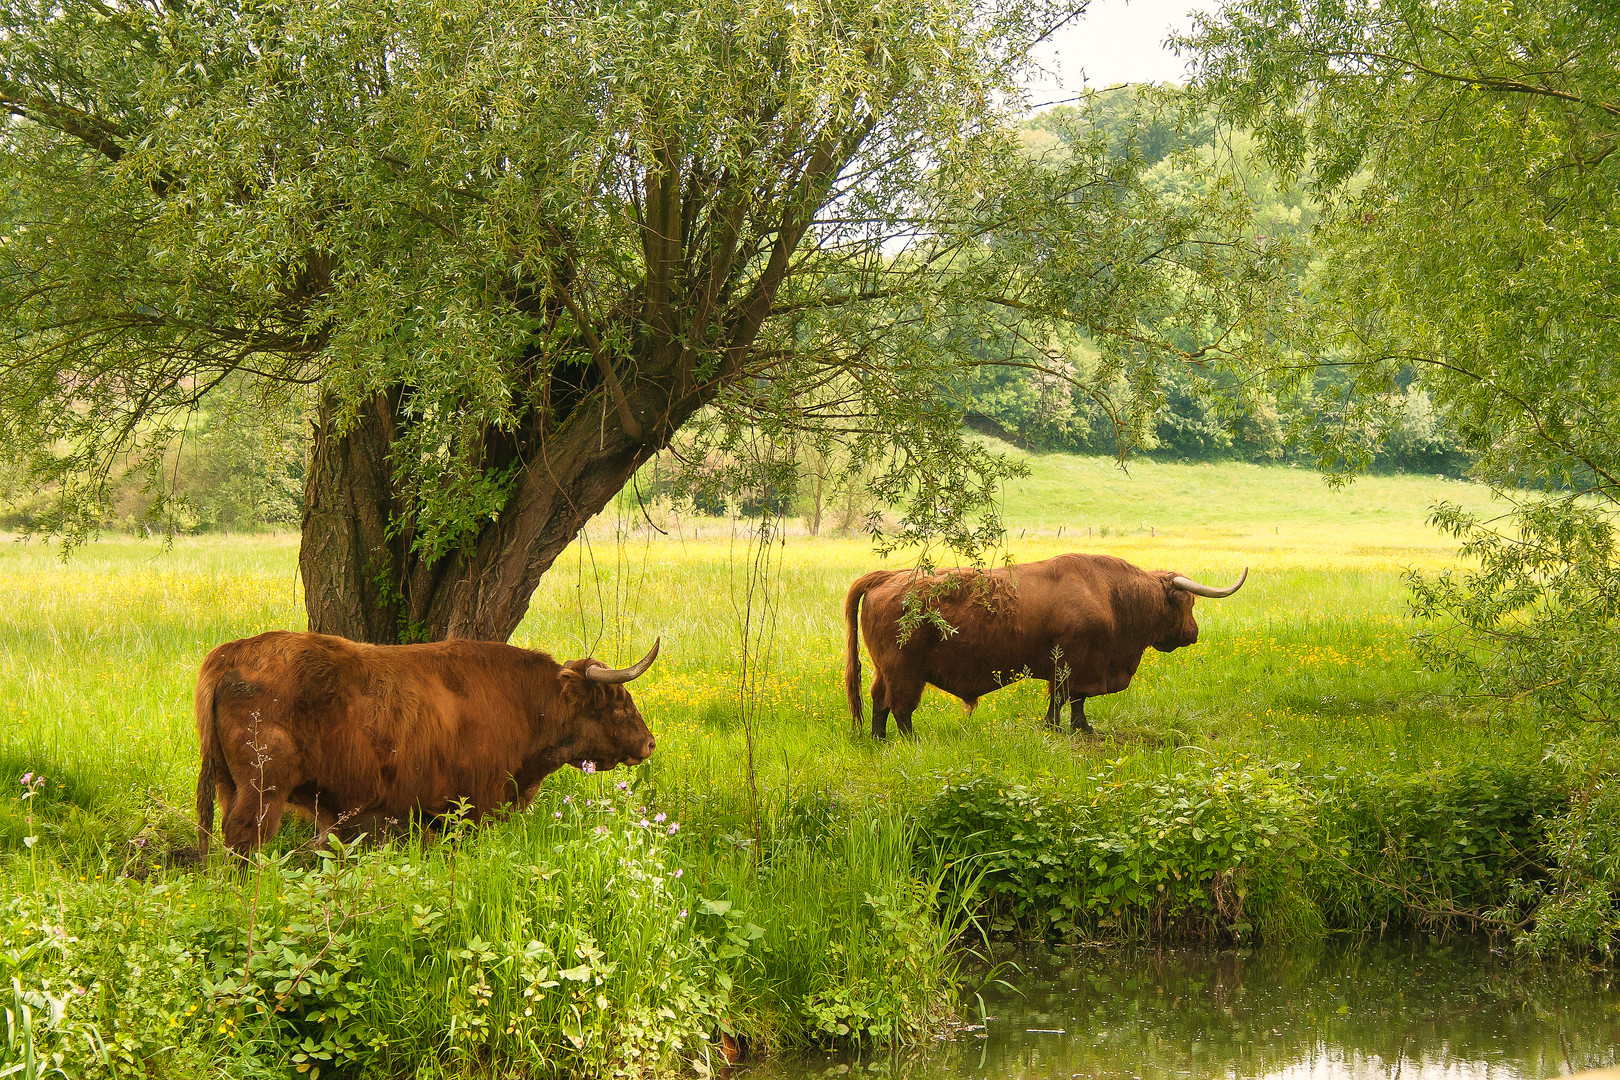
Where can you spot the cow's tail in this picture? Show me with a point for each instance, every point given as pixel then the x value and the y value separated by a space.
pixel 208 742
pixel 852 639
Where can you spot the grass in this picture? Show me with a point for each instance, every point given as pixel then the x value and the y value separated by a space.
pixel 1228 499
pixel 1304 674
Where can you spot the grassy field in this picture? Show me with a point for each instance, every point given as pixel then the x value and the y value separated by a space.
pixel 828 915
pixel 1309 661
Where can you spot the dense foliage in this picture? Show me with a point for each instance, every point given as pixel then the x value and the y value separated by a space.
pixel 511 251
pixel 1463 157
pixel 1171 856
pixel 1251 852
pixel 1067 399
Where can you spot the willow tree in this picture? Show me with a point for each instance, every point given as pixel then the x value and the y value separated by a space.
pixel 508 249
pixel 1464 154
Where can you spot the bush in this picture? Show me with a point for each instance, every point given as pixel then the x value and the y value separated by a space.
pixel 1210 850
pixel 1574 907
pixel 1439 847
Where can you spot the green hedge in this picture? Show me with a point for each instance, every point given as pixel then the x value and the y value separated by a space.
pixel 1245 850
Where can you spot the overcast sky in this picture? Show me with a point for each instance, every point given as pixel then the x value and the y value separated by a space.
pixel 1115 41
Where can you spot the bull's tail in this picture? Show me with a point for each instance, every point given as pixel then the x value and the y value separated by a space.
pixel 208 741
pixel 852 639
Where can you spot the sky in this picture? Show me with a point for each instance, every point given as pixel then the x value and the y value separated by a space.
pixel 1115 41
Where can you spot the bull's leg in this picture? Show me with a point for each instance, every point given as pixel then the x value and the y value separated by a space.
pixel 225 795
pixel 1056 698
pixel 326 823
pixel 880 708
pixel 255 816
pixel 880 723
pixel 1077 715
pixel 263 786
pixel 903 700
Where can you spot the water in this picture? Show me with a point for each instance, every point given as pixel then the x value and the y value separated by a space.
pixel 1352 1010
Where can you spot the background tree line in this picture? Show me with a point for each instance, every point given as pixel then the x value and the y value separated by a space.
pixel 1196 412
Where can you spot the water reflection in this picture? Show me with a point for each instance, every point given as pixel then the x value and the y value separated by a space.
pixel 1349 1010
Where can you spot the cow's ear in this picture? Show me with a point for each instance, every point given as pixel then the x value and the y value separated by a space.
pixel 576 688
pixel 573 682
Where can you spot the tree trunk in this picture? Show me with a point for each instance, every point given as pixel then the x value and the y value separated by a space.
pixel 363 581
pixel 818 487
pixel 345 557
pixel 584 428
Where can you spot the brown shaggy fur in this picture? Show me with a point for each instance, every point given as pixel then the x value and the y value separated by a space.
pixel 1096 613
pixel 356 736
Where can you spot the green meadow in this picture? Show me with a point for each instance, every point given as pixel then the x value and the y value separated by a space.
pixel 768 877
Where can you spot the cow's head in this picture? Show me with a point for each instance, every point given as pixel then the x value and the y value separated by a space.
pixel 607 727
pixel 1179 628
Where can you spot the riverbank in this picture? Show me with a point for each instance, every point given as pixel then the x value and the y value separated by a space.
pixel 1295 772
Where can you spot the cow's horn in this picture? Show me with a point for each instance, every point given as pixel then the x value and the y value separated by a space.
pixel 603 673
pixel 1187 584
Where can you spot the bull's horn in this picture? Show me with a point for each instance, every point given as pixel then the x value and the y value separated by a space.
pixel 1187 584
pixel 603 673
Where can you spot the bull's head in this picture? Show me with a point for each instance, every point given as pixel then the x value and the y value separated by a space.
pixel 608 727
pixel 1180 628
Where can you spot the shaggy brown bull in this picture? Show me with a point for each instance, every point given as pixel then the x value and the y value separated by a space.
pixel 1081 622
pixel 356 735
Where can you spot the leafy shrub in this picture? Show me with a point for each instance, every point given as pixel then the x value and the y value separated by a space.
pixel 1186 853
pixel 561 944
pixel 1437 847
pixel 1574 907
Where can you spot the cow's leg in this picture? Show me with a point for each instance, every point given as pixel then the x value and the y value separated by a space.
pixel 1056 698
pixel 264 782
pixel 224 795
pixel 880 708
pixel 1077 715
pixel 255 816
pixel 326 823
pixel 903 700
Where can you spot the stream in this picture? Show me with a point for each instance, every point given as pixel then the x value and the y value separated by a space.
pixel 1350 1009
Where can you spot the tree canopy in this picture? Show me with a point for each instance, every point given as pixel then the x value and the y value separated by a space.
pixel 508 250
pixel 1463 153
